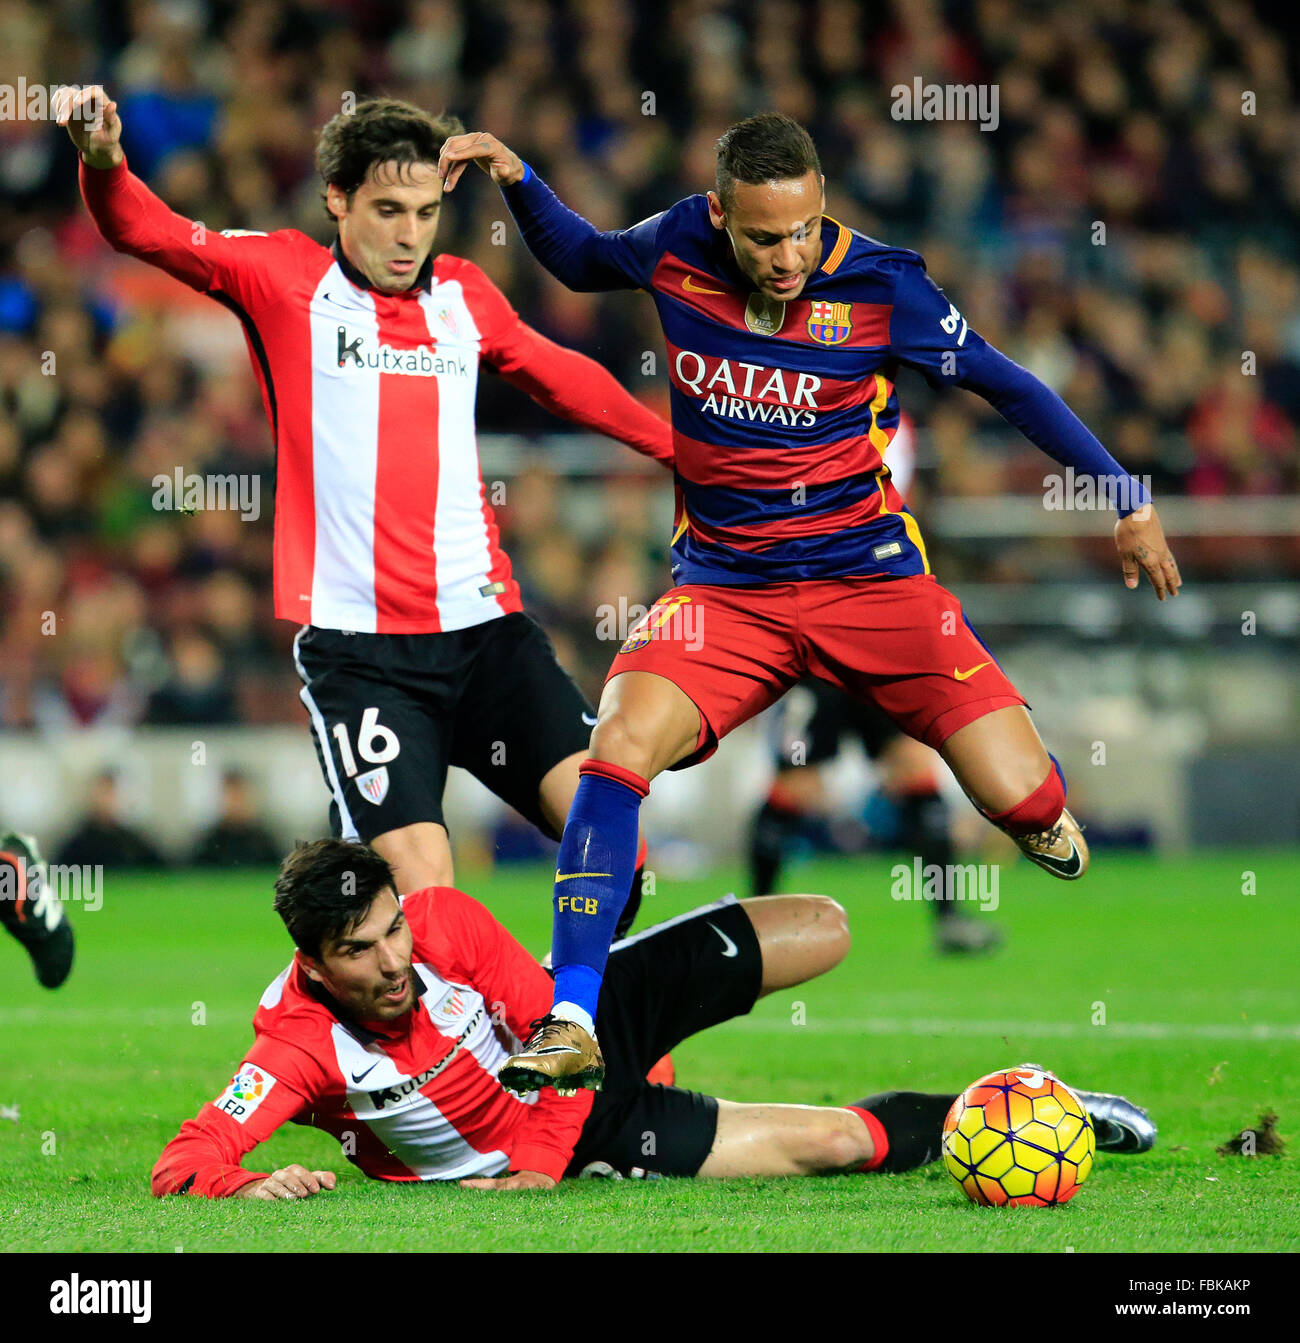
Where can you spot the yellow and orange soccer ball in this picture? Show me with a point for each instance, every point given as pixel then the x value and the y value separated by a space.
pixel 1019 1137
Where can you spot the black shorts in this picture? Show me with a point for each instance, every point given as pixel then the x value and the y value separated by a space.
pixel 662 986
pixel 390 712
pixel 815 716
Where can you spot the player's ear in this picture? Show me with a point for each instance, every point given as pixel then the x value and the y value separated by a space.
pixel 311 968
pixel 717 215
pixel 336 201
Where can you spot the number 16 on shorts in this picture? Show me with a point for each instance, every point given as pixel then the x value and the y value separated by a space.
pixel 377 745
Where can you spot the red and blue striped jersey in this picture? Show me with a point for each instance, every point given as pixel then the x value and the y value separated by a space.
pixel 783 413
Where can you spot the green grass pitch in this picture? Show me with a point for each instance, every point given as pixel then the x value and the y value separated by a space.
pixel 1195 979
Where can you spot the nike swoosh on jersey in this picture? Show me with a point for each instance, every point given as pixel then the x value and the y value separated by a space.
pixel 356 1077
pixel 963 675
pixel 569 876
pixel 729 948
pixel 699 289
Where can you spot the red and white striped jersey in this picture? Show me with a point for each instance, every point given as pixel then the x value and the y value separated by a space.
pixel 414 1099
pixel 382 524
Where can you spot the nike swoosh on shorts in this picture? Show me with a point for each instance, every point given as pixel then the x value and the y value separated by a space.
pixel 730 949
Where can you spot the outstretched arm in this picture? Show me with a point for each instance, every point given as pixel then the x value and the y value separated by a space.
pixel 928 333
pixel 247 266
pixel 566 383
pixel 204 1157
pixel 578 389
pixel 573 250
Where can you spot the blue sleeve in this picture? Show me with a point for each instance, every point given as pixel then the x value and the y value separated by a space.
pixel 927 332
pixel 576 252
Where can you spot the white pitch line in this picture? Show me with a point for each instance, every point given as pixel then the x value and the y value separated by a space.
pixel 1047 1030
pixel 1122 1030
pixel 114 1016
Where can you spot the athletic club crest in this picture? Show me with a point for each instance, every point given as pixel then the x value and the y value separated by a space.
pixel 373 786
pixel 829 323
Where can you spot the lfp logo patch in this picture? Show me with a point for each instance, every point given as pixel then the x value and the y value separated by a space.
pixel 249 1087
pixel 830 323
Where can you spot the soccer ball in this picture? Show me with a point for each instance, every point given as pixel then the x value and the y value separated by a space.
pixel 1019 1137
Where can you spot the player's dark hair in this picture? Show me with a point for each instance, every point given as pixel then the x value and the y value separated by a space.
pixel 325 887
pixel 379 130
pixel 766 148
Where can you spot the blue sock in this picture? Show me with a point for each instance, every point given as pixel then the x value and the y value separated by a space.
pixel 600 843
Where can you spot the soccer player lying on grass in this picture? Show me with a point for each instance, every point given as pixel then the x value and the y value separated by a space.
pixel 391 1023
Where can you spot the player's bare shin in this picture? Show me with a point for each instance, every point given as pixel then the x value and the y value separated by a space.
pixel 1007 773
pixel 785 1140
pixel 999 759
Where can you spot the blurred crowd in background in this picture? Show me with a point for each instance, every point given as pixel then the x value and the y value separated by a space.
pixel 1175 126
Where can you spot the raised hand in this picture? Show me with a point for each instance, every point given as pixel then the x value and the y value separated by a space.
pixel 93 124
pixel 503 165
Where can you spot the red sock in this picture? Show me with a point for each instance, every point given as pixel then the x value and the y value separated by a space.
pixel 879 1139
pixel 1038 812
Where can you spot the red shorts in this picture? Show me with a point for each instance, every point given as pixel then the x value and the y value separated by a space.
pixel 902 643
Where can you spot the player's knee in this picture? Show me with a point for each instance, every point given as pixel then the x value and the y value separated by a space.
pixel 832 921
pixel 618 740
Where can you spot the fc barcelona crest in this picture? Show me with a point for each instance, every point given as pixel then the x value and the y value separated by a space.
pixel 829 323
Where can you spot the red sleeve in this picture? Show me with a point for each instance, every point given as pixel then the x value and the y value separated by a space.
pixel 566 383
pixel 517 991
pixel 249 267
pixel 273 1084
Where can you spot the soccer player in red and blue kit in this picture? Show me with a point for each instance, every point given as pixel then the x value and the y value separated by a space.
pixel 793 550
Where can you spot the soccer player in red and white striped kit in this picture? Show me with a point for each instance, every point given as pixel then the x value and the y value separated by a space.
pixel 389 1028
pixel 415 652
